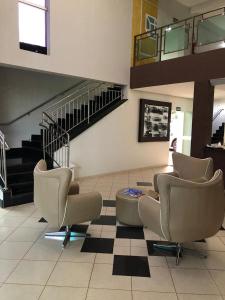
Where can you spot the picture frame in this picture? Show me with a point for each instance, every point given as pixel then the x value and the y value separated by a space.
pixel 154 121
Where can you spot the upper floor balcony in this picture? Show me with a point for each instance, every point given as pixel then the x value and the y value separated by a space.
pixel 167 53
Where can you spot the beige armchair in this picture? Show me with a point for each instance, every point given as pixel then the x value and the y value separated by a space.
pixel 187 211
pixel 60 204
pixel 190 168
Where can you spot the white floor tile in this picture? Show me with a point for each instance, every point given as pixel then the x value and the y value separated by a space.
pixel 95 294
pixel 11 221
pixel 157 261
pixel 102 278
pixel 6 267
pixel 219 278
pixel 193 281
pixel 121 250
pixel 5 232
pixel 160 281
pixel 139 251
pixel 25 235
pixel 14 250
pixel 215 260
pixel 104 258
pixel 31 272
pixel 122 242
pixel 72 253
pixel 63 293
pixel 153 296
pixel 71 274
pixel 187 262
pixel 23 292
pixel 45 249
pixel 198 297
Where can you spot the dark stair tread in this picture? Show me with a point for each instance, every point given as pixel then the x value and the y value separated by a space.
pixel 20 199
pixel 22 167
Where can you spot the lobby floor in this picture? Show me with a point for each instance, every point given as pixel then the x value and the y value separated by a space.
pixel 102 267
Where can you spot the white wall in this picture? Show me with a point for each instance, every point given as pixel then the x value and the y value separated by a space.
pixel 89 39
pixel 167 10
pixel 111 144
pixel 207 6
pixel 21 91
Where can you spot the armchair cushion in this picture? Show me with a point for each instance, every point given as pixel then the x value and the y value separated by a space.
pixel 73 188
pixel 82 208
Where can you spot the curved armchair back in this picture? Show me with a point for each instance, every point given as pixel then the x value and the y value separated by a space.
pixel 50 192
pixel 192 168
pixel 191 211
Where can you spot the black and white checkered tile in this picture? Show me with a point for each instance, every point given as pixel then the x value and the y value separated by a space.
pixel 127 265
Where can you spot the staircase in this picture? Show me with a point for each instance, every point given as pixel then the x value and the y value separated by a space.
pixel 63 121
pixel 218 136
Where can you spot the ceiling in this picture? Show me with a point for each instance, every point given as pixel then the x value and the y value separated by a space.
pixel 184 90
pixel 191 3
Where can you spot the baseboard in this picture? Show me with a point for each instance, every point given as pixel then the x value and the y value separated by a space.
pixel 123 171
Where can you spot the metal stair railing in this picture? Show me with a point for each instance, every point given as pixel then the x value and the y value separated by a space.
pixel 72 110
pixel 56 142
pixel 217 114
pixel 3 170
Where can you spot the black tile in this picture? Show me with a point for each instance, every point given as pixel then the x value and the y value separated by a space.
pixel 200 241
pixel 125 232
pixel 109 203
pixel 153 251
pixel 98 245
pixel 222 228
pixel 76 228
pixel 144 183
pixel 42 220
pixel 105 220
pixel 131 266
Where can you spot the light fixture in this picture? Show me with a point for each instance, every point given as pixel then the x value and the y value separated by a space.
pixel 168 29
pixel 223 44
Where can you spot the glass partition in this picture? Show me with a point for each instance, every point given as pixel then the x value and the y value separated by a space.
pixel 197 34
pixel 176 39
pixel 211 30
pixel 147 46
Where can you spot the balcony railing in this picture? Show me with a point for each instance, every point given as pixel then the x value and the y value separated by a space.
pixel 197 34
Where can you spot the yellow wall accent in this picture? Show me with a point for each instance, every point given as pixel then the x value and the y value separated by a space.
pixel 140 9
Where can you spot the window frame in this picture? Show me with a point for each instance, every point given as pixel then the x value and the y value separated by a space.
pixel 33 47
pixel 147 16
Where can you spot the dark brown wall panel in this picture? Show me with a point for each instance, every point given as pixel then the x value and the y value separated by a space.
pixel 197 67
pixel 202 117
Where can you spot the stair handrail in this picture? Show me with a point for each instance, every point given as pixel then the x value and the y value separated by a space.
pixel 217 114
pixel 72 112
pixel 55 137
pixel 77 94
pixel 3 170
pixel 75 86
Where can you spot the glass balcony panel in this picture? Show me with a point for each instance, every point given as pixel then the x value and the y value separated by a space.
pixel 211 30
pixel 176 39
pixel 147 47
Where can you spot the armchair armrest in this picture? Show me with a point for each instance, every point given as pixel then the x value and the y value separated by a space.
pixel 149 212
pixel 155 179
pixel 82 208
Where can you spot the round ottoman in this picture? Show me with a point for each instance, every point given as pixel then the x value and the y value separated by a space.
pixel 127 207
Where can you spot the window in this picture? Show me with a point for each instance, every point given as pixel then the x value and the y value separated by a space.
pixel 150 23
pixel 32 25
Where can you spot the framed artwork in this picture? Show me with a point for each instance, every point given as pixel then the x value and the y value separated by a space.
pixel 154 121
